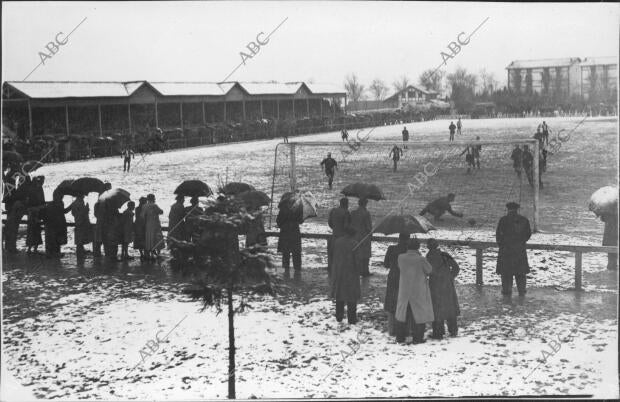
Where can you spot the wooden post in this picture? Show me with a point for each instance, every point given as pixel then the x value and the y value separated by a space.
pixel 345 105
pixel 308 107
pixel 243 109
pixel 156 115
pixel 67 118
pixel 479 279
pixel 30 119
pixel 181 114
pixel 224 112
pixel 536 184
pixel 204 115
pixel 293 109
pixel 129 118
pixel 261 109
pixel 100 120
pixel 578 270
pixel 277 109
pixel 293 173
pixel 321 107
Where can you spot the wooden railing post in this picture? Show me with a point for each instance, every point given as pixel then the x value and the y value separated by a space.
pixel 479 280
pixel 578 270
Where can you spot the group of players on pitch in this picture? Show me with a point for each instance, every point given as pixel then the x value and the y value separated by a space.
pixel 522 157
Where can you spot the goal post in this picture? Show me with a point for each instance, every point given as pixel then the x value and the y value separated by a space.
pixel 426 170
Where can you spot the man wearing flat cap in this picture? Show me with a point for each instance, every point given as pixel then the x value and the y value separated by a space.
pixel 513 231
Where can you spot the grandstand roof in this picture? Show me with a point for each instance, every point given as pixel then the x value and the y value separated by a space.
pixel 104 89
pixel 542 63
pixel 599 61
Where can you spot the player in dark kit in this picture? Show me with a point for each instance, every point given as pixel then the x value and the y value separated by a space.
pixel 440 206
pixel 405 137
pixel 517 160
pixel 395 154
pixel 452 129
pixel 329 164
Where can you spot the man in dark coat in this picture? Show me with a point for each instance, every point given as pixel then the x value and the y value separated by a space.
pixel 345 280
pixel 176 227
pixel 440 206
pixel 610 238
pixel 55 226
pixel 443 292
pixel 517 160
pixel 362 223
pixel 452 129
pixel 391 290
pixel 513 231
pixel 339 219
pixel 405 137
pixel 289 241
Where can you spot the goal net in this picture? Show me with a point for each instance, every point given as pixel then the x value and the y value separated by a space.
pixel 424 172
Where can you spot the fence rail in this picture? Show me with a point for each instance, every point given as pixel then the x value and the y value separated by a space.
pixel 479 246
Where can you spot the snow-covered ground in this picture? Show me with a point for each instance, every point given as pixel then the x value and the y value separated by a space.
pixel 75 330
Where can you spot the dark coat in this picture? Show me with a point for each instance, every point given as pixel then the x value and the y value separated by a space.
pixel 55 224
pixel 139 230
pixel 127 226
pixel 441 283
pixel 345 278
pixel 176 225
pixel 339 219
pixel 391 290
pixel 362 223
pixel 83 232
pixel 290 236
pixel 513 231
pixel 610 233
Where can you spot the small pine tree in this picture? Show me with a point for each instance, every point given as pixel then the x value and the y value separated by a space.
pixel 221 269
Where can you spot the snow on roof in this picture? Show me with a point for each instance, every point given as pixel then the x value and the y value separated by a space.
pixel 541 63
pixel 191 88
pixel 72 89
pixel 414 87
pixel 599 61
pixel 90 89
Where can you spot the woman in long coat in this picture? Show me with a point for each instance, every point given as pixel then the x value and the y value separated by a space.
pixel 414 296
pixel 289 241
pixel 35 203
pixel 443 292
pixel 391 290
pixel 83 230
pixel 154 238
pixel 139 228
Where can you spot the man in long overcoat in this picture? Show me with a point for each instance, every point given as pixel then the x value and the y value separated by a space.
pixel 414 296
pixel 289 241
pixel 345 278
pixel 393 279
pixel 176 217
pixel 610 238
pixel 339 219
pixel 443 292
pixel 362 223
pixel 513 231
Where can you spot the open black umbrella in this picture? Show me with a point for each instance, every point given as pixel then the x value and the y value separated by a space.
pixel 404 224
pixel 115 196
pixel 296 200
pixel 193 188
pixel 85 185
pixel 233 188
pixel 65 188
pixel 253 199
pixel 363 190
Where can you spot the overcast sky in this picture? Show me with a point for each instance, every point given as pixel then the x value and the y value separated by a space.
pixel 319 41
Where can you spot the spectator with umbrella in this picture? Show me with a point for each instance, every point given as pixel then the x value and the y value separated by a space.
pixel 339 219
pixel 362 223
pixel 83 233
pixel 191 211
pixel 53 215
pixel 443 292
pixel 99 211
pixel 414 307
pixel 154 239
pixel 176 227
pixel 345 278
pixel 254 200
pixel 139 228
pixel 35 203
pixel 289 242
pixel 391 290
pixel 111 201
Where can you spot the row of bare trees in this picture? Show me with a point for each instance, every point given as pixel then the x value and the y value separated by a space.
pixel 430 79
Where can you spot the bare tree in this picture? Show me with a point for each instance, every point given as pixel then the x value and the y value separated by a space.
pixel 432 79
pixel 401 83
pixel 378 89
pixel 487 81
pixel 354 89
